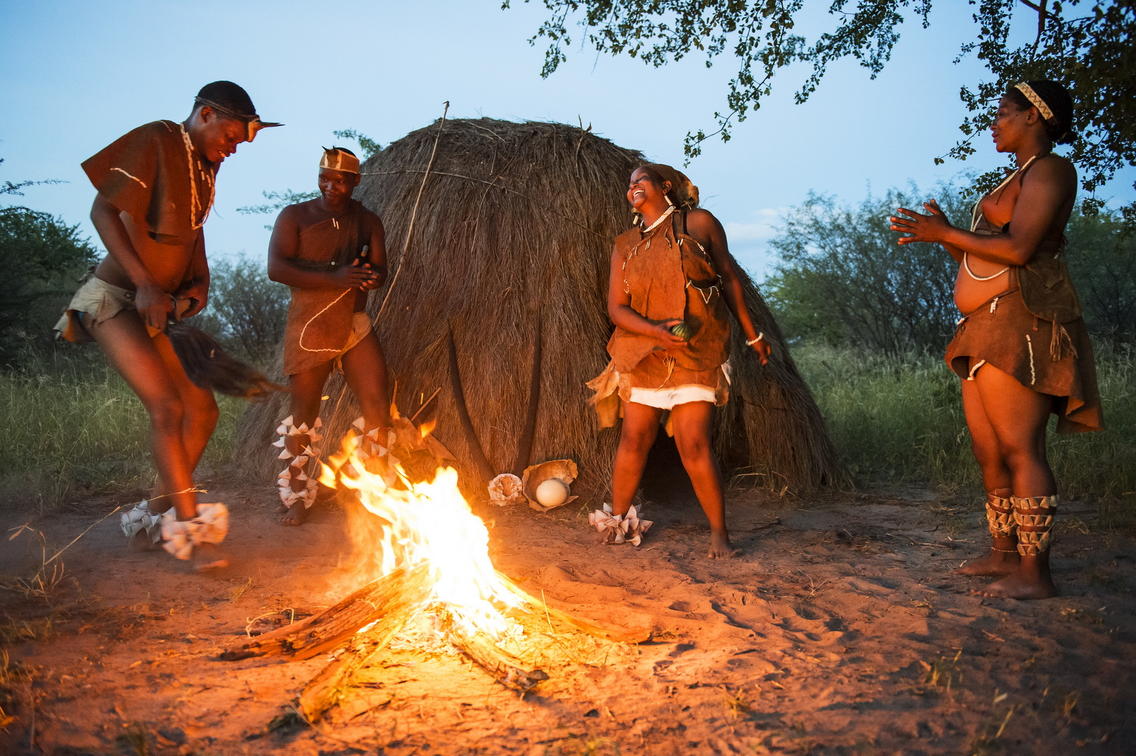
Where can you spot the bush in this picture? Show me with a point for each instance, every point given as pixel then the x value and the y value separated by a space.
pixel 843 280
pixel 44 260
pixel 246 310
pixel 1103 266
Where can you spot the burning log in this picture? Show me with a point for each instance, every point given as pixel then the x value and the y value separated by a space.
pixel 503 666
pixel 328 629
pixel 538 616
pixel 327 689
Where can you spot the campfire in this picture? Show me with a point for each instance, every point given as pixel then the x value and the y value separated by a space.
pixel 431 578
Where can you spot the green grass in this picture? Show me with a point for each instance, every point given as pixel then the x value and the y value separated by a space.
pixel 898 420
pixel 73 427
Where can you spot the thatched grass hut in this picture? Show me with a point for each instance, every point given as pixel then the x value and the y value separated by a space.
pixel 497 310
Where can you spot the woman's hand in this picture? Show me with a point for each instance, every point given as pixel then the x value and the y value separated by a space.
pixel 154 305
pixel 355 276
pixel 761 348
pixel 918 227
pixel 662 334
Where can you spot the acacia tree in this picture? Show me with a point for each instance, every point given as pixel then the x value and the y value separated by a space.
pixel 1087 45
pixel 8 186
pixel 246 310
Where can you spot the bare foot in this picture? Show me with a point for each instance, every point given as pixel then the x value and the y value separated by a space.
pixel 1019 586
pixel 208 556
pixel 995 563
pixel 720 547
pixel 294 515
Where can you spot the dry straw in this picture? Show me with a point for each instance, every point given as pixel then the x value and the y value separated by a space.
pixel 499 309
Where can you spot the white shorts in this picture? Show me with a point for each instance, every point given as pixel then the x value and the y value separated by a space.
pixel 666 398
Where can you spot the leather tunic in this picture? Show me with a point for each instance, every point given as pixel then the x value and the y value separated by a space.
pixel 669 276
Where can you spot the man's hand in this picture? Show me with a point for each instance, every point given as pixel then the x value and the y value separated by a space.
pixel 197 292
pixel 355 276
pixel 154 305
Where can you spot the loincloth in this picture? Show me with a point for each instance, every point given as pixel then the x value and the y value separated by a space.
pixel 98 300
pixel 297 358
pixel 1055 359
pixel 656 382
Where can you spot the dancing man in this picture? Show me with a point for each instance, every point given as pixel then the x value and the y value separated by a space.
pixel 155 188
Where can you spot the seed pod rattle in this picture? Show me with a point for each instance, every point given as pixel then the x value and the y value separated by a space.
pixel 683 330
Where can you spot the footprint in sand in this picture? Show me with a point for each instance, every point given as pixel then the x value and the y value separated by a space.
pixel 875 586
pixel 810 623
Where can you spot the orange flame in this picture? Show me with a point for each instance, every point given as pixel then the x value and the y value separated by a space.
pixel 426 523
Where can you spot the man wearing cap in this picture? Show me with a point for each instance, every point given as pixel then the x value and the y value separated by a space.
pixel 155 188
pixel 331 251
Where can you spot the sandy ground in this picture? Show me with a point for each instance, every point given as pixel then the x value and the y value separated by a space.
pixel 838 629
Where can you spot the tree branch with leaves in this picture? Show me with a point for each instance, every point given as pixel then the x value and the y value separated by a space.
pixel 1085 45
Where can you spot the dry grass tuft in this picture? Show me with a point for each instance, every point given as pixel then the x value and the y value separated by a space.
pixel 942 673
pixel 49 576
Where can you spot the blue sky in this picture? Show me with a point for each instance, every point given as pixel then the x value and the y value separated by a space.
pixel 76 75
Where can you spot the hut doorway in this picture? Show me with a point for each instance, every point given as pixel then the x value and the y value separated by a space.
pixel 664 479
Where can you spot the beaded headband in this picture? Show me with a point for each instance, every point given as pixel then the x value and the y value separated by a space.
pixel 1035 100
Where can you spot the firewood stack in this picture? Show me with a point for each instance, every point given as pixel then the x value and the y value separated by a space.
pixel 385 607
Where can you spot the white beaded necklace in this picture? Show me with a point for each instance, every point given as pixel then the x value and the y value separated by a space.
pixel 974 223
pixel 666 214
pixel 195 206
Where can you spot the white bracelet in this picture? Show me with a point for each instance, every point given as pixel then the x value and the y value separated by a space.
pixel 760 335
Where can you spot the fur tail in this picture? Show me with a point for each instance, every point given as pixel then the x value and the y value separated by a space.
pixel 212 368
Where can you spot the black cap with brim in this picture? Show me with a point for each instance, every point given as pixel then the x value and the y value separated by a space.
pixel 232 101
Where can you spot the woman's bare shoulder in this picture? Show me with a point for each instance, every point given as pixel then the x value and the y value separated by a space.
pixel 1052 167
pixel 701 219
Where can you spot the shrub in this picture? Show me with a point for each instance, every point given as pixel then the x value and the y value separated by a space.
pixel 44 260
pixel 246 310
pixel 843 279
